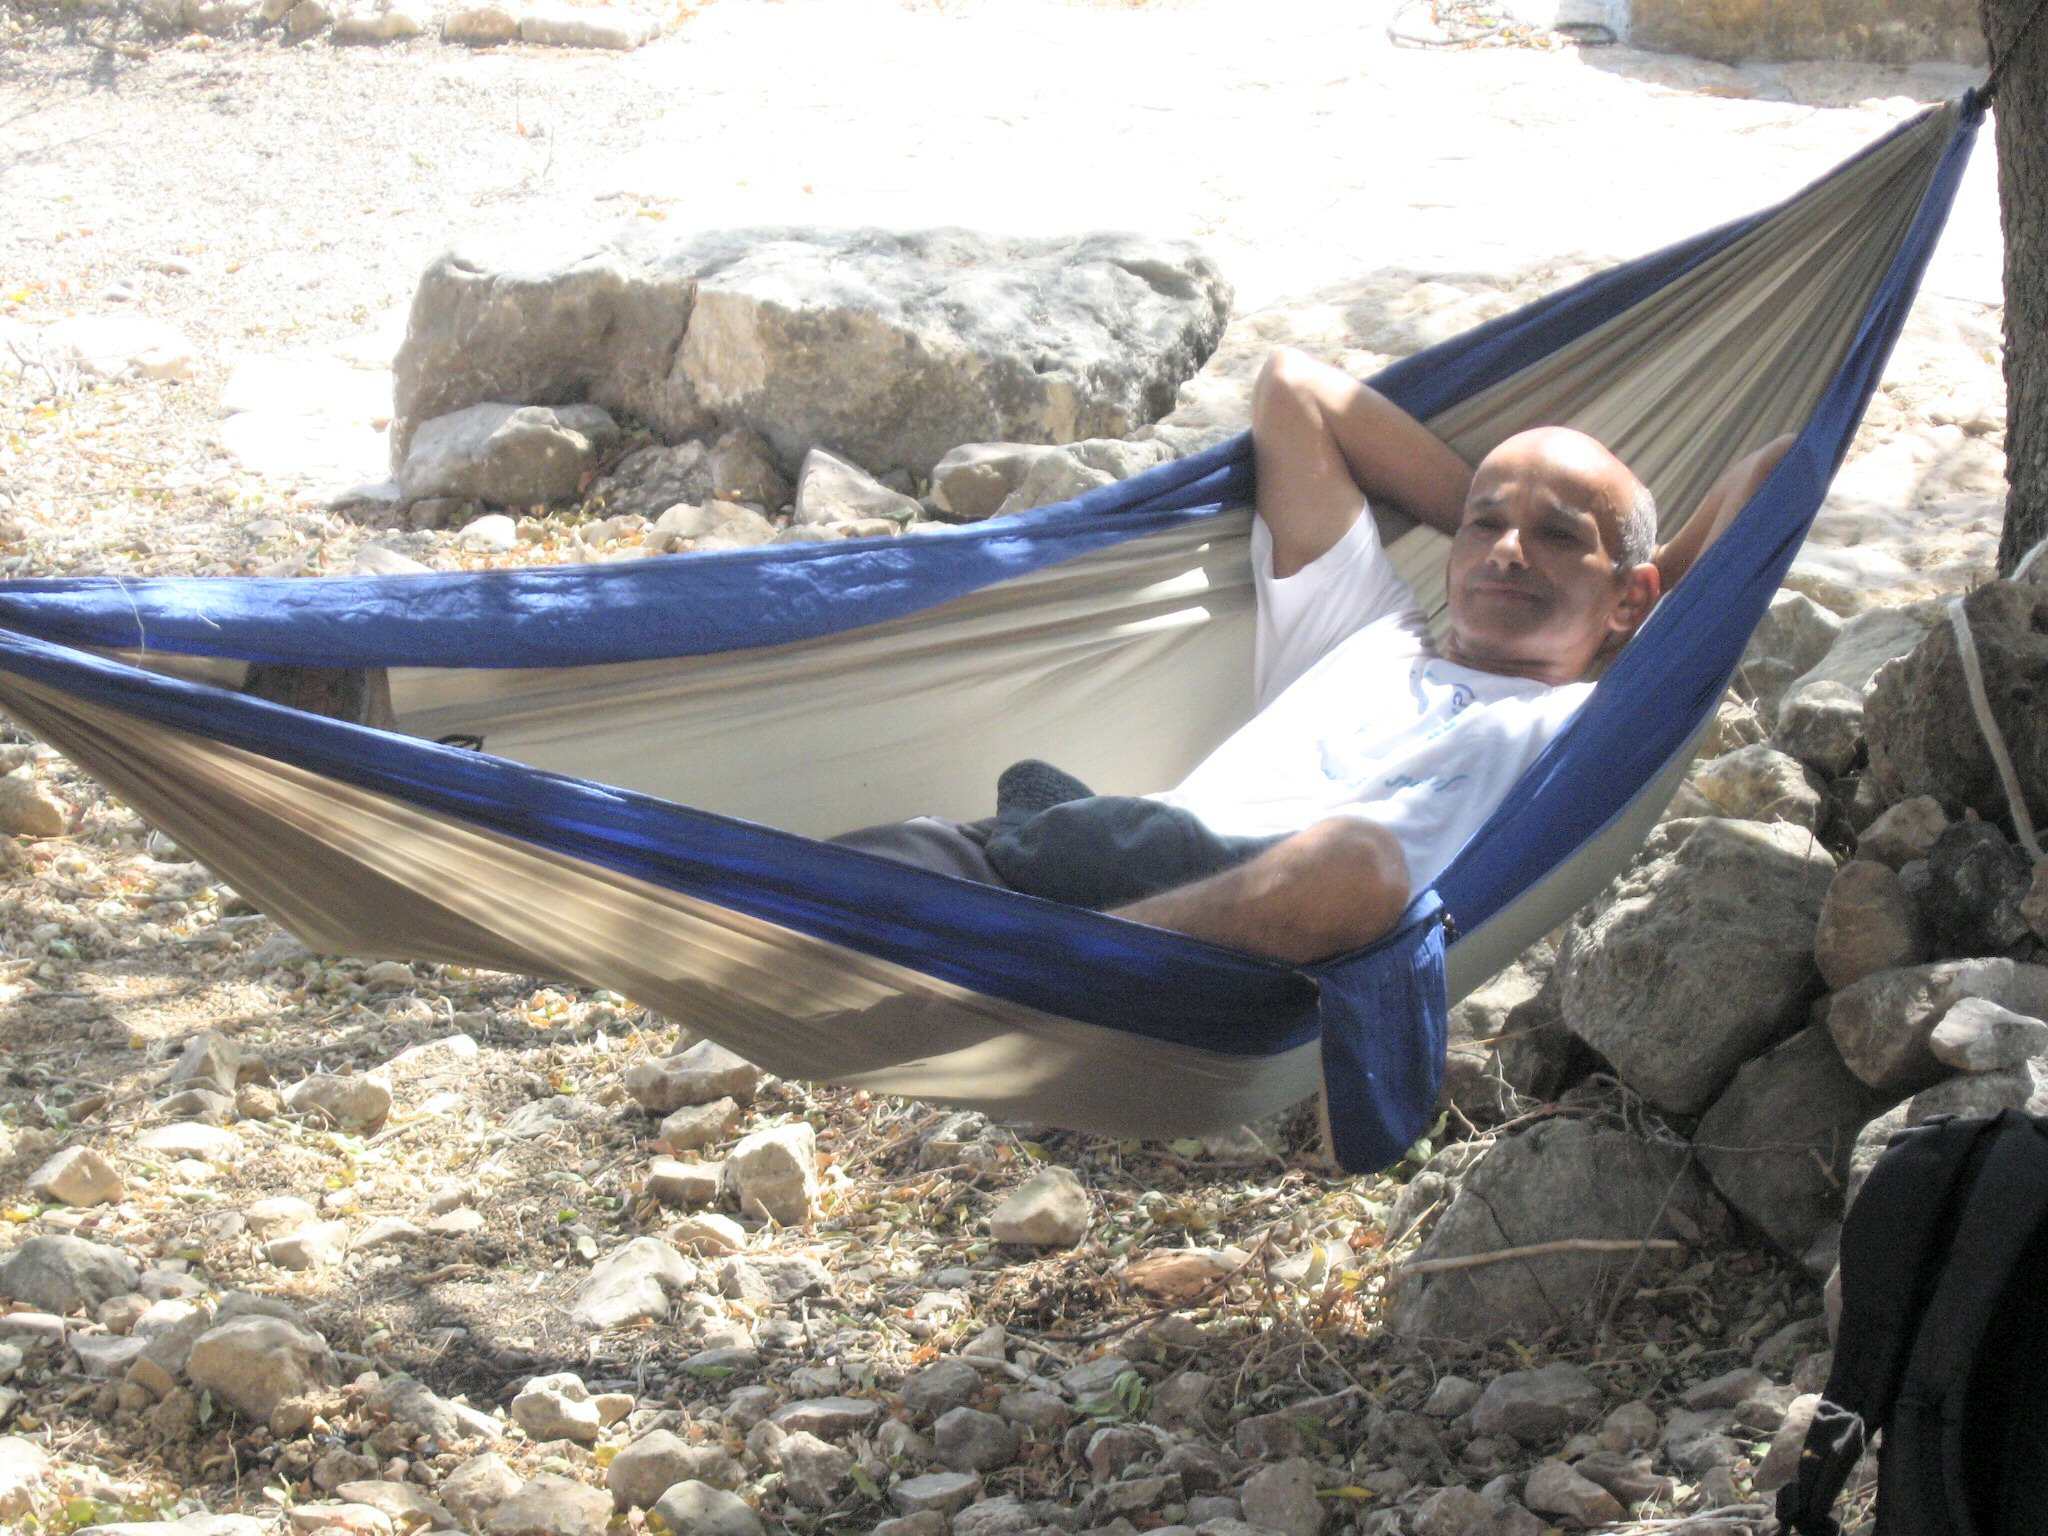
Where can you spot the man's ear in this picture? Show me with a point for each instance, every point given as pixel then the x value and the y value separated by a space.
pixel 1641 588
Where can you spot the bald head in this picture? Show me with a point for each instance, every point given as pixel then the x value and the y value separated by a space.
pixel 1550 562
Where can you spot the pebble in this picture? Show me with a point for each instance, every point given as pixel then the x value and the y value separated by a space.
pixel 969 1440
pixel 24 1467
pixel 813 1471
pixel 385 1232
pixel 459 1222
pixel 58 1274
pixel 774 1173
pixel 557 1407
pixel 478 1486
pixel 698 1509
pixel 552 1506
pixel 702 1074
pixel 944 1384
pixel 189 1138
pixel 347 1519
pixel 494 533
pixel 1555 1489
pixel 77 1176
pixel 1451 1396
pixel 1977 1035
pixel 700 1125
pixel 1283 1498
pixel 827 1417
pixel 707 1233
pixel 773 1279
pixel 632 1284
pixel 316 1246
pixel 406 1505
pixel 1177 1273
pixel 1051 1209
pixel 254 1362
pixel 359 1103
pixel 1538 1405
pixel 944 1493
pixel 29 809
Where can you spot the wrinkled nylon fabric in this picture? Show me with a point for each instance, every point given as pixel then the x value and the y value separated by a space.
pixel 812 688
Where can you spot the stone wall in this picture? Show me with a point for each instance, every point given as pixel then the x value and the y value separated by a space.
pixel 1868 31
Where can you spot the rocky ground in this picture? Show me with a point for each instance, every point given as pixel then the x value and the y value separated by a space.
pixel 377 1247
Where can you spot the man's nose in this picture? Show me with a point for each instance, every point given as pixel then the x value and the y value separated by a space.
pixel 1507 550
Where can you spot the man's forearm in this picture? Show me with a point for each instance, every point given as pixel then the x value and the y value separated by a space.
pixel 1337 886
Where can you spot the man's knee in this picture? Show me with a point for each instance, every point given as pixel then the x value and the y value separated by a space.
pixel 1285 387
pixel 1353 879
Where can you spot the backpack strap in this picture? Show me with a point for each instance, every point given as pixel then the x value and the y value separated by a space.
pixel 1926 1489
pixel 1893 1242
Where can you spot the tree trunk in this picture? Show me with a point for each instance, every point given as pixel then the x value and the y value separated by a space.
pixel 2021 112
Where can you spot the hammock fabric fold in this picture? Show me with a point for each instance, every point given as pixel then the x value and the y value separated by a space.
pixel 792 691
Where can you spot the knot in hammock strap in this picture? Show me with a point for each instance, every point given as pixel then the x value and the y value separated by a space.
pixel 1989 91
pixel 1987 723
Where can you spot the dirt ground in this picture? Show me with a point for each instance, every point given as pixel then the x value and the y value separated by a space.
pixel 279 202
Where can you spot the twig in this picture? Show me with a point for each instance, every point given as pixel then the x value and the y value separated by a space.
pixel 1536 1250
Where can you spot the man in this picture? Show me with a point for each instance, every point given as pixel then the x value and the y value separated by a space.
pixel 1374 755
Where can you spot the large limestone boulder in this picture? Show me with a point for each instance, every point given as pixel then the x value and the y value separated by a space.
pixel 1777 1143
pixel 1699 957
pixel 889 348
pixel 1559 1179
pixel 1922 733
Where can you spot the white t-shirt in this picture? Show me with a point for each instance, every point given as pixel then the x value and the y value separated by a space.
pixel 1358 715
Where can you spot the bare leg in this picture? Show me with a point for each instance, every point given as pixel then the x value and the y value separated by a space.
pixel 1323 443
pixel 1338 885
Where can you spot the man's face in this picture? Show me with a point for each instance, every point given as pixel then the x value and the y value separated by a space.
pixel 1535 588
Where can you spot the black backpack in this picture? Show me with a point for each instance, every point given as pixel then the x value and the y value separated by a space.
pixel 1943 1345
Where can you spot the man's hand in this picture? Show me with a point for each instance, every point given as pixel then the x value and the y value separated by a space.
pixel 1324 443
pixel 1717 509
pixel 1337 886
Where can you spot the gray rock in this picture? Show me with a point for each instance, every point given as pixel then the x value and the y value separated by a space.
pixel 890 347
pixel 254 1362
pixel 1822 726
pixel 743 468
pixel 1730 1389
pixel 1868 923
pixel 377 21
pixel 1053 477
pixel 1191 1400
pixel 774 1279
pixel 480 24
pixel 973 481
pixel 1535 1406
pixel 212 1060
pixel 59 1273
pixel 1777 1143
pixel 632 1283
pixel 1003 1515
pixel 24 1468
pixel 478 1486
pixel 314 1246
pixel 943 1384
pixel 947 1493
pixel 774 1173
pixel 814 1472
pixel 1903 833
pixel 551 1506
pixel 1051 1209
pixel 648 481
pixel 1283 1498
pixel 410 1402
pixel 703 1074
pixel 406 1505
pixel 1977 1035
pixel 688 1185
pixel 826 1417
pixel 557 1407
pixel 700 1125
pixel 1558 1179
pixel 1697 1441
pixel 1977 882
pixel 1866 643
pixel 1451 1396
pixel 77 1176
pixel 1883 1023
pixel 504 455
pixel 1781 1465
pixel 830 490
pixel 187 1138
pixel 560 24
pixel 492 534
pixel 1697 958
pixel 1555 1489
pixel 1507 1041
pixel 968 1440
pixel 1457 1512
pixel 1042 1414
pixel 1922 732
pixel 1796 631
pixel 1761 783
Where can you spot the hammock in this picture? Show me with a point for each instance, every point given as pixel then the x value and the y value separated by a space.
pixel 667 737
